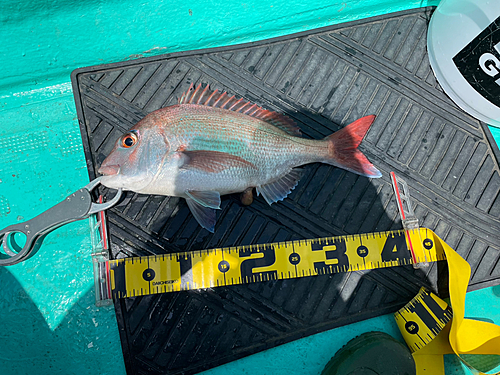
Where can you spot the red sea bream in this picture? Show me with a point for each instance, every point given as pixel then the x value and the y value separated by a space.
pixel 211 144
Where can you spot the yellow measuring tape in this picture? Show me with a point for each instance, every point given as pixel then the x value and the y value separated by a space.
pixel 138 276
pixel 424 321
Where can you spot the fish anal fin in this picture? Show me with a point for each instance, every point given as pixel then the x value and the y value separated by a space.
pixel 205 96
pixel 213 161
pixel 280 188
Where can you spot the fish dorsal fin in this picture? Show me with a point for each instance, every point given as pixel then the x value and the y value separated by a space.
pixel 205 96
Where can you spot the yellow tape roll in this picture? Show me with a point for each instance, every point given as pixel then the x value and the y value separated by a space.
pixel 461 336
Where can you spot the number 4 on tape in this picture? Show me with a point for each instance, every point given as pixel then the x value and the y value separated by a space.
pixel 138 276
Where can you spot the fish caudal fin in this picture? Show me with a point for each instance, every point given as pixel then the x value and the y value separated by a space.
pixel 343 148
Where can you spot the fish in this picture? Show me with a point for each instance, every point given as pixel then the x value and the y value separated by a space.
pixel 211 144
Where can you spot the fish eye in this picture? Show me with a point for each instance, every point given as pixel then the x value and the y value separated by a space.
pixel 129 140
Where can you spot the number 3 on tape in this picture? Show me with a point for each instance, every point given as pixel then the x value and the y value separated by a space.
pixel 283 260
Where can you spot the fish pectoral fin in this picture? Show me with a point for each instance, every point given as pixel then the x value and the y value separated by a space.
pixel 204 215
pixel 280 188
pixel 213 161
pixel 210 199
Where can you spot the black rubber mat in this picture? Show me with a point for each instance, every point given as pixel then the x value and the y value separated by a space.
pixel 324 80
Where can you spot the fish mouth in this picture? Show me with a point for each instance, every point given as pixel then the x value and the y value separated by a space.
pixel 109 170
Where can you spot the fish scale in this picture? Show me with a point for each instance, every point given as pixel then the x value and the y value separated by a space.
pixel 272 151
pixel 221 145
pixel 230 132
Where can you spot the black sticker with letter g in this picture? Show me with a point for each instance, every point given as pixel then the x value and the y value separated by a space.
pixel 479 63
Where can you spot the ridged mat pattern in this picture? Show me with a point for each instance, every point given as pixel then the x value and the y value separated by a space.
pixel 323 80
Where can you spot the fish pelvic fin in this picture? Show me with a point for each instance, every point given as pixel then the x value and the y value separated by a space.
pixel 279 189
pixel 205 216
pixel 210 199
pixel 205 96
pixel 343 149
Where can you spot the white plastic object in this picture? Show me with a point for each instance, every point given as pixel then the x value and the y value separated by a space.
pixel 463 42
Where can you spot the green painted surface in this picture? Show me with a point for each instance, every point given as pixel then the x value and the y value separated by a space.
pixel 85 341
pixel 496 134
pixel 52 325
pixel 47 40
pixel 42 163
pixel 308 356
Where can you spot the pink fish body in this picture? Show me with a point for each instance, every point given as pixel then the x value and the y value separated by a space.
pixel 211 145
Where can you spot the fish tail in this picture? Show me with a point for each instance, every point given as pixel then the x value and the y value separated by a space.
pixel 343 149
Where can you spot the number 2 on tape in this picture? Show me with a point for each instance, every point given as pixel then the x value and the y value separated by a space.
pixel 254 263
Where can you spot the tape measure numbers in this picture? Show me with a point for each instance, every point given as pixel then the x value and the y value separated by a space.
pixel 421 320
pixel 137 276
pixel 430 329
pixel 424 321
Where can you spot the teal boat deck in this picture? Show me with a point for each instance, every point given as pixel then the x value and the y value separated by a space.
pixel 50 324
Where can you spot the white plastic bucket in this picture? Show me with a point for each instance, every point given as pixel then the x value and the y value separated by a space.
pixel 463 41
